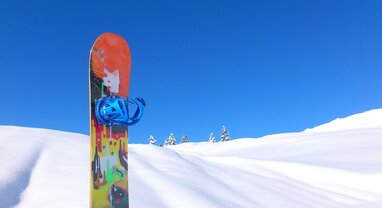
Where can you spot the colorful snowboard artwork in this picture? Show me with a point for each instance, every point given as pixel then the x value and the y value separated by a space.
pixel 109 73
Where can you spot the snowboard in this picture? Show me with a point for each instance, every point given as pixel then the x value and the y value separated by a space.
pixel 109 74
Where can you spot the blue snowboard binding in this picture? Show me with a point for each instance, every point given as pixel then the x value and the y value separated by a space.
pixel 114 111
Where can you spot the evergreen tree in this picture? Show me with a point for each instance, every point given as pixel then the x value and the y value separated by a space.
pixel 166 142
pixel 212 138
pixel 224 135
pixel 184 139
pixel 152 140
pixel 170 140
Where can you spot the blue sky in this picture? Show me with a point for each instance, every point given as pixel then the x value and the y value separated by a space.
pixel 257 67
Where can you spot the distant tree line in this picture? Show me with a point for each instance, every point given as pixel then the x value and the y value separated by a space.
pixel 171 140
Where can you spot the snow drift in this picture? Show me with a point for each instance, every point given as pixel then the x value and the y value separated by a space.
pixel 333 166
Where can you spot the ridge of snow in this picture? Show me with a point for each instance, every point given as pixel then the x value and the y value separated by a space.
pixel 368 119
pixel 37 168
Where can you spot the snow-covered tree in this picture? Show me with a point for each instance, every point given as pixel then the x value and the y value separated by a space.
pixel 166 142
pixel 152 140
pixel 184 139
pixel 224 135
pixel 212 138
pixel 170 140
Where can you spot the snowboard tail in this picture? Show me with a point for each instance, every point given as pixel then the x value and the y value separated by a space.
pixel 109 74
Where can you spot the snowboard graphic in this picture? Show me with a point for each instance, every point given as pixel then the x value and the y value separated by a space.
pixel 109 74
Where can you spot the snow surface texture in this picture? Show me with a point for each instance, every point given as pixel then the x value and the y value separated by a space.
pixel 327 166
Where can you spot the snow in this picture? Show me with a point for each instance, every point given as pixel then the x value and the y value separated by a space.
pixel 338 164
pixel 368 119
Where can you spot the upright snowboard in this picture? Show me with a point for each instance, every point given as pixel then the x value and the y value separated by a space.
pixel 109 74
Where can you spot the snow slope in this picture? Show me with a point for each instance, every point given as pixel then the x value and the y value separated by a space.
pixel 336 168
pixel 368 119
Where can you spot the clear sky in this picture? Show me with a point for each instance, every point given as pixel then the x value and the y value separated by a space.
pixel 257 67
